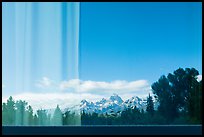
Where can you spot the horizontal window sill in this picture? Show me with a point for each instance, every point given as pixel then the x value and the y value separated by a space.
pixel 104 130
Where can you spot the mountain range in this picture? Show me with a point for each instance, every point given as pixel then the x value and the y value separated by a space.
pixel 113 104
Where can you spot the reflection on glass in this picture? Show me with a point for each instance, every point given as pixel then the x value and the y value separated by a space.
pixel 40 52
pixel 101 64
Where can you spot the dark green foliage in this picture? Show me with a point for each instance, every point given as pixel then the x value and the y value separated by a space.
pixel 70 118
pixel 194 104
pixel 67 119
pixel 21 117
pixel 11 110
pixel 4 114
pixel 35 120
pixel 42 117
pixel 30 116
pixel 57 117
pixel 150 105
pixel 179 93
pixel 8 112
pixel 162 90
pixel 179 96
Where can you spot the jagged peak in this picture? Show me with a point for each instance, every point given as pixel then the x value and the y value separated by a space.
pixel 114 102
pixel 136 98
pixel 84 101
pixel 116 97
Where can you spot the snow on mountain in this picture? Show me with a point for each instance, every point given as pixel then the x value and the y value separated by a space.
pixel 136 101
pixel 116 99
pixel 114 104
pixel 86 106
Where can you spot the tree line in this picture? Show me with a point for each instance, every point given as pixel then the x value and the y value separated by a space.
pixel 20 113
pixel 180 102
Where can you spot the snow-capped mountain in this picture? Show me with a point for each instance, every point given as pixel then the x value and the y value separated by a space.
pixel 111 105
pixel 136 102
pixel 114 104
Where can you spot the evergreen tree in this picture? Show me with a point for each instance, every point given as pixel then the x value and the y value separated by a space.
pixel 20 112
pixel 182 82
pixel 35 120
pixel 176 93
pixel 84 118
pixel 195 104
pixel 162 91
pixel 136 116
pixel 42 117
pixel 150 105
pixel 48 121
pixel 30 115
pixel 9 112
pixel 5 119
pixel 57 117
pixel 67 119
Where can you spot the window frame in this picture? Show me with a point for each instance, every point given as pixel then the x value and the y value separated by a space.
pixel 104 130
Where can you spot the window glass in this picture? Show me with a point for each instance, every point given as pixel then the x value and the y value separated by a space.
pixel 83 63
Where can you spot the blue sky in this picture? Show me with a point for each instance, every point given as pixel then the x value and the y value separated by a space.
pixel 105 47
pixel 139 40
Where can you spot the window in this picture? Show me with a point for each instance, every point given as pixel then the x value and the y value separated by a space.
pixel 102 64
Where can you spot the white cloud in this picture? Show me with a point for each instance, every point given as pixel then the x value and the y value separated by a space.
pixel 199 77
pixel 74 83
pixel 69 93
pixel 101 87
pixel 64 100
pixel 125 89
pixel 51 100
pixel 44 83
